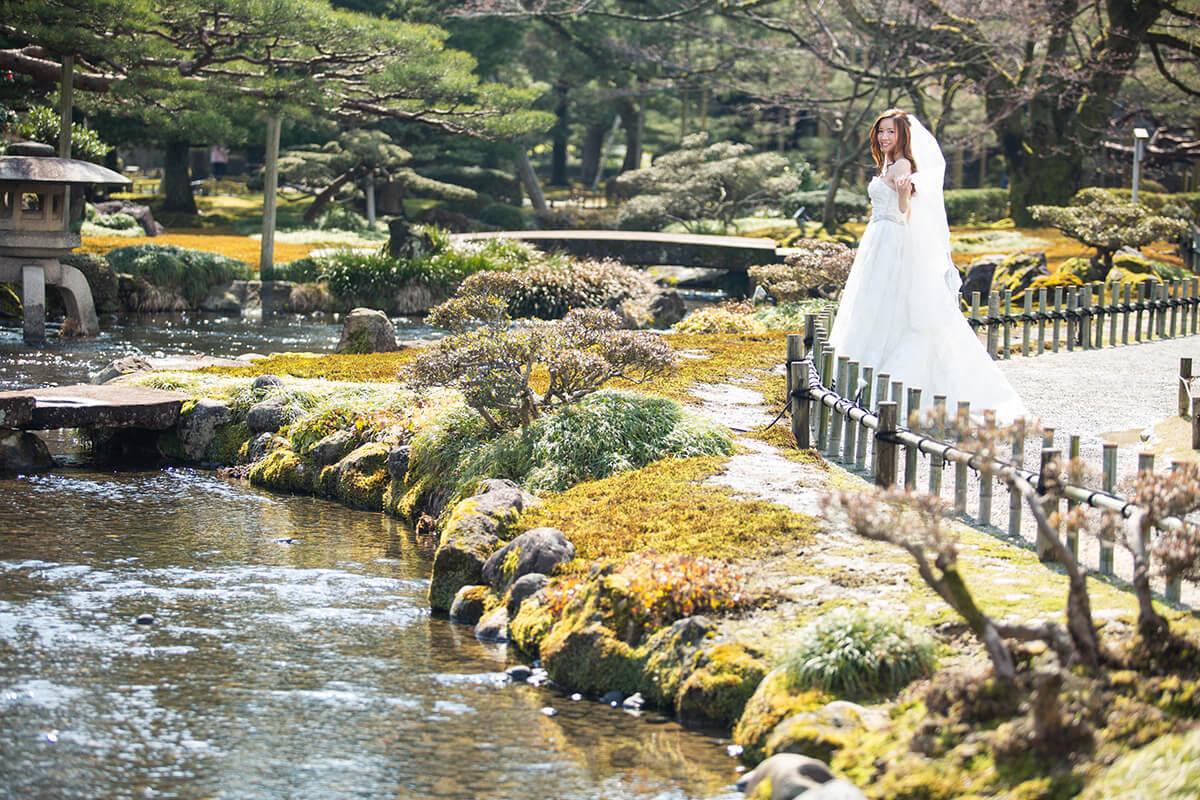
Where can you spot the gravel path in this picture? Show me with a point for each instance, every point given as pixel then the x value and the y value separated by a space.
pixel 1096 392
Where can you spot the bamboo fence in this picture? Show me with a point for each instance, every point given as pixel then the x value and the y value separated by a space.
pixel 864 433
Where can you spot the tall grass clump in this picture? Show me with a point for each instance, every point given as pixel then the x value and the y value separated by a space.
pixel 858 653
pixel 188 272
pixel 604 433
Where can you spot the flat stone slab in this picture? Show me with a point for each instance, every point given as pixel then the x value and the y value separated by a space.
pixel 15 411
pixel 86 405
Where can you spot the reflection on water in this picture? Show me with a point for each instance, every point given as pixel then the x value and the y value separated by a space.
pixel 290 653
pixel 70 360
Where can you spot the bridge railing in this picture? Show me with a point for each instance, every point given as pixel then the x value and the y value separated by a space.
pixel 865 434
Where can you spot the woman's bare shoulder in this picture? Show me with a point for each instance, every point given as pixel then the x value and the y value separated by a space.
pixel 901 166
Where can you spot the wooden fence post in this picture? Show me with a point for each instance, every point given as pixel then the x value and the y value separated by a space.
pixel 1126 299
pixel 860 452
pixel 822 409
pixel 1025 321
pixel 1006 306
pixel 993 327
pixel 986 479
pixel 1014 498
pixel 798 399
pixel 885 445
pixel 1058 307
pixel 1185 378
pixel 910 452
pixel 1196 423
pixel 1043 307
pixel 1045 550
pixel 1109 482
pixel 960 469
pixel 939 433
pixel 848 445
pixel 1072 322
pixel 835 418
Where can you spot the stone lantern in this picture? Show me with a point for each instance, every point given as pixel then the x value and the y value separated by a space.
pixel 39 199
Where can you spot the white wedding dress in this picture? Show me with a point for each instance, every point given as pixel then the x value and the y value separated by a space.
pixel 899 314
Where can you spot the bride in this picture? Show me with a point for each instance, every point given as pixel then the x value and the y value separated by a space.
pixel 899 311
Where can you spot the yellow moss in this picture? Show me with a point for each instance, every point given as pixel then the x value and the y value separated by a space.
pixel 529 627
pixel 368 368
pixel 362 476
pixel 665 507
pixel 283 471
pixel 772 702
pixel 724 680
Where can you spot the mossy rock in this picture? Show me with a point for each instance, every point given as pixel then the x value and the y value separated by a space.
pixel 724 680
pixel 284 471
pixel 670 656
pixel 362 476
pixel 472 603
pixel 528 628
pixel 228 443
pixel 469 538
pixel 773 701
pixel 1016 272
pixel 583 654
pixel 1087 270
pixel 817 734
pixel 1135 262
pixel 1118 276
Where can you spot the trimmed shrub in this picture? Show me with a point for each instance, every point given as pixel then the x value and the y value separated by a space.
pixel 790 316
pixel 548 287
pixel 849 204
pixel 498 184
pixel 503 215
pixel 189 272
pixel 1166 769
pixel 859 653
pixel 118 221
pixel 974 206
pixel 341 218
pixel 818 268
pixel 725 318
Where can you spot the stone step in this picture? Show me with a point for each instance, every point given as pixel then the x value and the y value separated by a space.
pixel 85 405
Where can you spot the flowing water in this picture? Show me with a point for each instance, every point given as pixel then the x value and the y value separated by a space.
pixel 284 648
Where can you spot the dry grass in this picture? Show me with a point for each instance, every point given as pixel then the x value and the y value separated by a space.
pixel 243 248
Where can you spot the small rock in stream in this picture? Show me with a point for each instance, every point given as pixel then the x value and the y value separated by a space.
pixel 144 619
pixel 286 540
pixel 518 673
pixel 548 711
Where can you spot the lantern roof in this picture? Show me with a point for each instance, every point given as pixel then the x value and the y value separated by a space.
pixel 30 162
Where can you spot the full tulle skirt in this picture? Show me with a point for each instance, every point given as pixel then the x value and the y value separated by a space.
pixel 897 316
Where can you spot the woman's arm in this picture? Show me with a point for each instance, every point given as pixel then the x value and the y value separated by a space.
pixel 901 176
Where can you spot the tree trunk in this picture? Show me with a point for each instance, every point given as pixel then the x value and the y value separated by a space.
pixel 177 180
pixel 631 120
pixel 593 146
pixel 529 179
pixel 1049 175
pixel 321 200
pixel 65 103
pixel 559 134
pixel 266 258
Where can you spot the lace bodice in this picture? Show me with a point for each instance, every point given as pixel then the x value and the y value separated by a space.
pixel 885 201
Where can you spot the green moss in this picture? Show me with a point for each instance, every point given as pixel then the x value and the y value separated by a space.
pixel 284 471
pixel 529 627
pixel 773 701
pixel 725 678
pixel 362 476
pixel 228 443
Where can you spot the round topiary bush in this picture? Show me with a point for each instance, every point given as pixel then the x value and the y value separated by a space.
pixel 855 652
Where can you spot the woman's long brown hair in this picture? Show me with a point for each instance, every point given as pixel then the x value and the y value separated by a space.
pixel 903 138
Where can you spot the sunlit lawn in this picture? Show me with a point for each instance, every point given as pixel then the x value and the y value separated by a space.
pixel 221 218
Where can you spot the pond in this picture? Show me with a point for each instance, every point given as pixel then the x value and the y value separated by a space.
pixel 284 648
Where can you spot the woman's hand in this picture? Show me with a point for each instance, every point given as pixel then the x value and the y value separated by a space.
pixel 904 183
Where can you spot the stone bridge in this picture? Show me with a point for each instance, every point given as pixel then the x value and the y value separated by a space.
pixel 637 248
